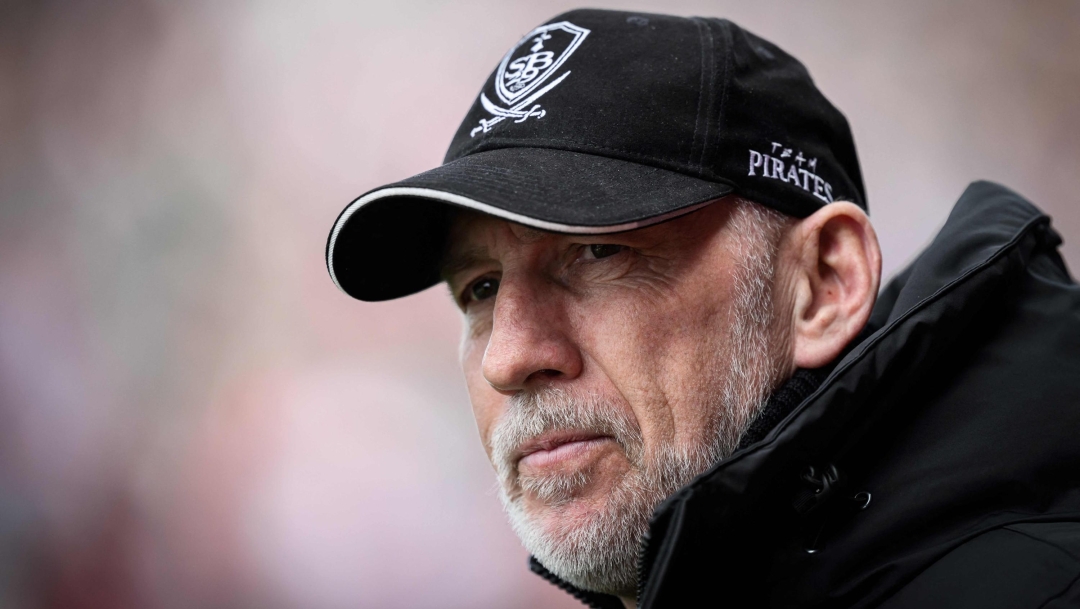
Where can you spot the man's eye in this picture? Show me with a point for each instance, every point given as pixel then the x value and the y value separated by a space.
pixel 603 250
pixel 483 289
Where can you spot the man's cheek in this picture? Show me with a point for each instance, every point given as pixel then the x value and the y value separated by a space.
pixel 481 395
pixel 471 355
pixel 627 332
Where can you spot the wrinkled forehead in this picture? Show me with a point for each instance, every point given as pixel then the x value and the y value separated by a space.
pixel 473 237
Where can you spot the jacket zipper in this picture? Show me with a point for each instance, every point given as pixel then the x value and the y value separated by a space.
pixel 641 568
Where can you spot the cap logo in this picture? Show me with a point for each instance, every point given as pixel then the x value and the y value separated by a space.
pixel 523 75
pixel 779 164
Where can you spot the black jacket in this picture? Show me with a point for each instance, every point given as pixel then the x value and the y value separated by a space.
pixel 937 464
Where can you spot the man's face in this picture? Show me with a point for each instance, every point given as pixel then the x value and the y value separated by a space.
pixel 605 372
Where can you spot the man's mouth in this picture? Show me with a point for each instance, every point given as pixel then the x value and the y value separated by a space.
pixel 557 447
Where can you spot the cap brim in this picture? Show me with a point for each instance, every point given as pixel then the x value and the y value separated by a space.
pixel 389 242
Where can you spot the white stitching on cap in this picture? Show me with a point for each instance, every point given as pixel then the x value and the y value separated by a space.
pixel 527 73
pixel 448 197
pixel 774 168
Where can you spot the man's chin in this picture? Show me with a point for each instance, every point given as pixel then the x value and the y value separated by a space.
pixel 561 513
pixel 586 539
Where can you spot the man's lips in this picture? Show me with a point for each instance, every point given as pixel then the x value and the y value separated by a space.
pixel 554 447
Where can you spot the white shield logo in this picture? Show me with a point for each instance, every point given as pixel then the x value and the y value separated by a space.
pixel 521 77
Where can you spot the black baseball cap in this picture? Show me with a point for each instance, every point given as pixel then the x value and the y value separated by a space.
pixel 604 121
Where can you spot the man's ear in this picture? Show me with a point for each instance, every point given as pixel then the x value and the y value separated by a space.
pixel 836 274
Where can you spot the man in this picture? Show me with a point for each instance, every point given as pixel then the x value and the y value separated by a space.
pixel 678 359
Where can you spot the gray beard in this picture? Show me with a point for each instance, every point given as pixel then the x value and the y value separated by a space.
pixel 599 551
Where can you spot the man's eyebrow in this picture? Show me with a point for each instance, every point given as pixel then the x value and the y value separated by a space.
pixel 456 261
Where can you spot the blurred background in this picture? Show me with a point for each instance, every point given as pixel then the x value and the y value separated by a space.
pixel 191 415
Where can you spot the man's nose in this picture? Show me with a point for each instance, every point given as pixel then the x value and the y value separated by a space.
pixel 529 344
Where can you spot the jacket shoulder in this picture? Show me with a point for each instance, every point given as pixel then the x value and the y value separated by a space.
pixel 1034 565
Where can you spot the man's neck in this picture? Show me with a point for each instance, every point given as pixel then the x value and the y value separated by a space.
pixel 787 396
